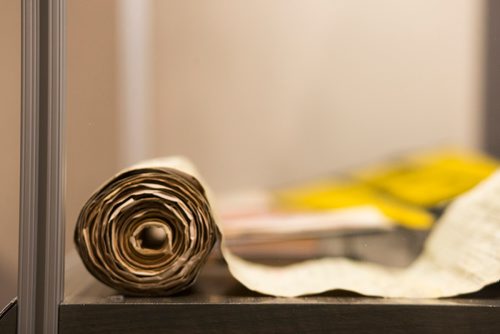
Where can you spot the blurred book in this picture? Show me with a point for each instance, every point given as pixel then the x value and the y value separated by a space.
pixel 396 247
pixel 252 216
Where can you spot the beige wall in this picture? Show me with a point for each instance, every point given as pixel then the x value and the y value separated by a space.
pixel 10 98
pixel 265 92
pixel 91 102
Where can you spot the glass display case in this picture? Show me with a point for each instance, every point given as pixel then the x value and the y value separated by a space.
pixel 260 95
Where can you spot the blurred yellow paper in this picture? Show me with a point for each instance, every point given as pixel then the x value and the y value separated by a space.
pixel 431 178
pixel 334 194
pixel 402 189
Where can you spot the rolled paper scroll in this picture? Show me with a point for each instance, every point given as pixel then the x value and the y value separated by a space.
pixel 148 230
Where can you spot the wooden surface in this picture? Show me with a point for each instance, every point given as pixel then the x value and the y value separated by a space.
pixel 317 315
pixel 219 304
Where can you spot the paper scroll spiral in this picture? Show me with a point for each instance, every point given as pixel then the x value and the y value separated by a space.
pixel 147 231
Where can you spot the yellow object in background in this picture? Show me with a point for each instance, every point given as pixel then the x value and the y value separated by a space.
pixel 402 189
pixel 430 179
pixel 333 194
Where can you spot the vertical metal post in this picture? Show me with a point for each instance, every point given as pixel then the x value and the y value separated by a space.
pixel 41 245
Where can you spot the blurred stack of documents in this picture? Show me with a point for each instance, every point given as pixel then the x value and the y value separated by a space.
pixel 394 202
pixel 253 214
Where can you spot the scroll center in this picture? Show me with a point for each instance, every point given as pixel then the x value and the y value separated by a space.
pixel 151 237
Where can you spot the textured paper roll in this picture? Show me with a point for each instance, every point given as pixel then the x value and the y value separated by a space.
pixel 165 199
pixel 148 230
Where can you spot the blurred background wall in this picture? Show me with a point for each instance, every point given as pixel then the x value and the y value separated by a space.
pixel 10 105
pixel 92 113
pixel 257 93
pixel 272 91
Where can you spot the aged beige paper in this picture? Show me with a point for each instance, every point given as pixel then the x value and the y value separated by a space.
pixel 462 254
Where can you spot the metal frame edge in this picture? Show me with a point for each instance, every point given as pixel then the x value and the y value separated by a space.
pixel 41 230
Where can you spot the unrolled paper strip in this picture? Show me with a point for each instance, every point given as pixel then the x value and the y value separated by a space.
pixel 462 254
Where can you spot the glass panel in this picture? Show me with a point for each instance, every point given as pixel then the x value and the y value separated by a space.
pixel 270 96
